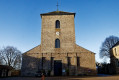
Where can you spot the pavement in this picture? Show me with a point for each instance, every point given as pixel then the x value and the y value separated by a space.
pixel 116 77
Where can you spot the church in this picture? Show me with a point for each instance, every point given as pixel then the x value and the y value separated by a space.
pixel 58 54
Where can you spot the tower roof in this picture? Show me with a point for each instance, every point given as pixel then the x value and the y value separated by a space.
pixel 58 13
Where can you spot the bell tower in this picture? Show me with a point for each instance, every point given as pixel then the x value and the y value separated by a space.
pixel 58 32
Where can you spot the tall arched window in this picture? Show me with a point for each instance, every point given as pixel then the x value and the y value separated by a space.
pixel 57 24
pixel 57 43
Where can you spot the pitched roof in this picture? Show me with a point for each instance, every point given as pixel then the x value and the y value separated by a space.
pixel 37 49
pixel 58 13
pixel 115 44
pixel 6 67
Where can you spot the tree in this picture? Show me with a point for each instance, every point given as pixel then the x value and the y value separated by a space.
pixel 11 56
pixel 106 45
pixel 1 61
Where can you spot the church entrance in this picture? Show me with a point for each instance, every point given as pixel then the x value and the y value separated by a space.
pixel 57 67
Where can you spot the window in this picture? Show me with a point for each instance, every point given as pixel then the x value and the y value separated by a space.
pixel 115 52
pixel 57 43
pixel 52 59
pixel 57 24
pixel 68 61
pixel 117 62
pixel 43 61
pixel 78 61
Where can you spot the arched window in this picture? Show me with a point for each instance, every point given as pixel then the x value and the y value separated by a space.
pixel 57 43
pixel 57 24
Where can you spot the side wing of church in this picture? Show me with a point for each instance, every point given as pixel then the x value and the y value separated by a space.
pixel 58 54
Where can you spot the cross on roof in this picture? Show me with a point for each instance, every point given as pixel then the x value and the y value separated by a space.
pixel 57 5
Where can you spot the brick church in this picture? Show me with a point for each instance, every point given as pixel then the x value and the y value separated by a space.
pixel 58 54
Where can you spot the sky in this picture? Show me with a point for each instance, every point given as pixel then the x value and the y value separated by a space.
pixel 20 22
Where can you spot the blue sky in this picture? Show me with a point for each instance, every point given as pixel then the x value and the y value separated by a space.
pixel 20 21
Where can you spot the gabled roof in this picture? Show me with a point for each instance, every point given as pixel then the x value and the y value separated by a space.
pixel 58 13
pixel 6 67
pixel 37 49
pixel 115 44
pixel 81 49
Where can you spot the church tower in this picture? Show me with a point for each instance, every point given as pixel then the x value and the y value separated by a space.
pixel 58 54
pixel 58 32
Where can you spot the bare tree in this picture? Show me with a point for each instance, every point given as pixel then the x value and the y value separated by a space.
pixel 11 56
pixel 1 61
pixel 106 45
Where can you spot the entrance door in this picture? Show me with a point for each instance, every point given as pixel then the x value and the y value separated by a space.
pixel 57 67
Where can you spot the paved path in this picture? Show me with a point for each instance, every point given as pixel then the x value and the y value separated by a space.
pixel 64 78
